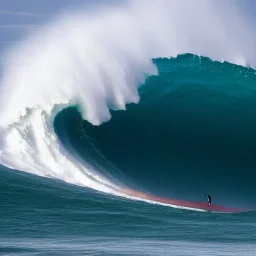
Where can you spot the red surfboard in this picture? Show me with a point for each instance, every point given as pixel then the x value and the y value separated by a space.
pixel 197 206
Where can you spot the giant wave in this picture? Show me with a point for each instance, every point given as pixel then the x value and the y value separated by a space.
pixel 97 61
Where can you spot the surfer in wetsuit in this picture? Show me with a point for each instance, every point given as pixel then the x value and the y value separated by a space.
pixel 209 198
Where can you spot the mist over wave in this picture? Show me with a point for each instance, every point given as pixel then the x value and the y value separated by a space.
pixel 96 60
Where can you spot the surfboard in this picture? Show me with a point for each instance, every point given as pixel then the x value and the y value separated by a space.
pixel 196 206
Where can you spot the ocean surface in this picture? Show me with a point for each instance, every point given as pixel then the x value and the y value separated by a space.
pixel 192 132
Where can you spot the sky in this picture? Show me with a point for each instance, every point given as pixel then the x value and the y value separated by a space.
pixel 19 17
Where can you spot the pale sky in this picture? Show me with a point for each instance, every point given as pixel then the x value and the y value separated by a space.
pixel 17 17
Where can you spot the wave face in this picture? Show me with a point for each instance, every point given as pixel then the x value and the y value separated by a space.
pixel 97 61
pixel 191 133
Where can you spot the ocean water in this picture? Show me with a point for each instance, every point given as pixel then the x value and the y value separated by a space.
pixel 79 128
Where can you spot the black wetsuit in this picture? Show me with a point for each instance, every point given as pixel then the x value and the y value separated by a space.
pixel 209 200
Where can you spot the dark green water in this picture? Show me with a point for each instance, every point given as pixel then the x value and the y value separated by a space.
pixel 192 132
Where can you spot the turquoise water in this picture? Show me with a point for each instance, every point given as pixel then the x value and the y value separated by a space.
pixel 193 132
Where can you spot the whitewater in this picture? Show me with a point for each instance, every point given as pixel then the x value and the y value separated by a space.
pixel 96 60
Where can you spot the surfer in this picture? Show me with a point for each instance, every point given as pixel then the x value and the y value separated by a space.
pixel 209 198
